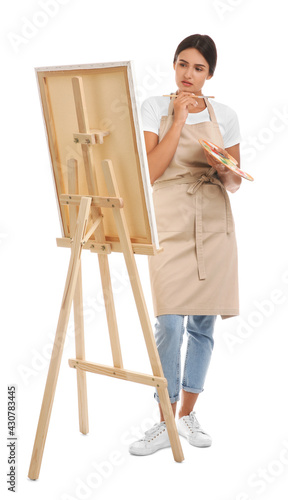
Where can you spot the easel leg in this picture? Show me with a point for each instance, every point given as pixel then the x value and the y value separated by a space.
pixel 110 311
pixel 142 311
pixel 73 187
pixel 55 362
pixel 170 424
pixel 80 354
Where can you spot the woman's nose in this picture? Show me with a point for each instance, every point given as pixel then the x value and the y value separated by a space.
pixel 188 73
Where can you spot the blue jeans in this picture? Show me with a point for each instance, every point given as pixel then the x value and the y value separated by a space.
pixel 169 330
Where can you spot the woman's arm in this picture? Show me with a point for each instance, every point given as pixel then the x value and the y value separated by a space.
pixel 160 154
pixel 230 180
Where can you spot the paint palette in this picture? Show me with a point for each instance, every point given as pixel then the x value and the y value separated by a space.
pixel 226 159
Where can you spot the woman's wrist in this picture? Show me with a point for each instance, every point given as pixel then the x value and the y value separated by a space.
pixel 177 126
pixel 229 180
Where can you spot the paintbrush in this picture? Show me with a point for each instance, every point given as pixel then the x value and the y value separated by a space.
pixel 195 96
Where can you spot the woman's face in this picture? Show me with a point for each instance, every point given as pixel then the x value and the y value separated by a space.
pixel 191 71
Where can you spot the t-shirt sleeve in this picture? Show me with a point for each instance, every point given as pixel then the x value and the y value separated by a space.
pixel 150 119
pixel 232 134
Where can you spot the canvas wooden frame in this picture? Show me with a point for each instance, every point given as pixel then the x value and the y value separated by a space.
pixel 111 107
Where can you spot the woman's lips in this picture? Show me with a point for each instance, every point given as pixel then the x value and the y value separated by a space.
pixel 187 84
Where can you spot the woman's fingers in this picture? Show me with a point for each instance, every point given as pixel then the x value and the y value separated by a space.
pixel 214 162
pixel 181 105
pixel 187 98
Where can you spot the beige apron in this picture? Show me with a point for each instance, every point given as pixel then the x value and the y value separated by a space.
pixel 197 272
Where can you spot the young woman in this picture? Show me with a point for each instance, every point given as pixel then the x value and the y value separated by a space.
pixel 195 278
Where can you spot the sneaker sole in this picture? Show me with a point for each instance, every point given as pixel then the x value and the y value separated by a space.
pixel 145 452
pixel 198 445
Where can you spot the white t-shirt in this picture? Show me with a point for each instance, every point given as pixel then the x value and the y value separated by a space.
pixel 154 107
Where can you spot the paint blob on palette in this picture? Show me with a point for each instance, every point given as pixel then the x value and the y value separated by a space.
pixel 226 159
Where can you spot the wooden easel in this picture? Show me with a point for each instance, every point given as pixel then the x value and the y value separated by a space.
pixel 85 210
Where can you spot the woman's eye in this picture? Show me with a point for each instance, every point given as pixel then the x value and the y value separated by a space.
pixel 199 69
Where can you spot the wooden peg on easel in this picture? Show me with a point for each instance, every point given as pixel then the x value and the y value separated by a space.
pixel 95 136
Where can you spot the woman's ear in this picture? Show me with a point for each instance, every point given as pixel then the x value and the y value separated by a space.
pixel 208 77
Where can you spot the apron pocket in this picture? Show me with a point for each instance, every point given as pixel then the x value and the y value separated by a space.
pixel 213 209
pixel 174 209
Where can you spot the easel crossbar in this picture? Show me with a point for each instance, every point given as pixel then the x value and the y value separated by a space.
pixel 112 246
pixel 96 201
pixel 128 375
pixel 102 248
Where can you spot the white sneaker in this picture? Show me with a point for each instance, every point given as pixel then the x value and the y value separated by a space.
pixel 189 427
pixel 154 439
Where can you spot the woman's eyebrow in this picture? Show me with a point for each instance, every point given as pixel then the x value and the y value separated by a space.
pixel 183 60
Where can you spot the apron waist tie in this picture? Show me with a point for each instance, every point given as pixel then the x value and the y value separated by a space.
pixel 194 188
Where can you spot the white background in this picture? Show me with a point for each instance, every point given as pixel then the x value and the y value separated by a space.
pixel 244 405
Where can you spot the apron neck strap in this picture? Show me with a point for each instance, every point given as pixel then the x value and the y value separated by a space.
pixel 171 106
pixel 210 110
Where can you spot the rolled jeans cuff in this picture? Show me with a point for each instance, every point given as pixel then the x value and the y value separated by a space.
pixel 192 389
pixel 172 400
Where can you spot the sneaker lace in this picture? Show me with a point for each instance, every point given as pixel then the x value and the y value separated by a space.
pixel 192 420
pixel 153 432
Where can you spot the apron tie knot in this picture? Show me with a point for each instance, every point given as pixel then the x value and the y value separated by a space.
pixel 205 178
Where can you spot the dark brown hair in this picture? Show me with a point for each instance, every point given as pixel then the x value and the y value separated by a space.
pixel 204 44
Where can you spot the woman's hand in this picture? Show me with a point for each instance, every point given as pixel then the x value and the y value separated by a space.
pixel 229 180
pixel 181 104
pixel 221 169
